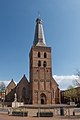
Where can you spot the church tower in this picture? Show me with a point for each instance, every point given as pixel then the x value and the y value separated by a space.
pixel 43 88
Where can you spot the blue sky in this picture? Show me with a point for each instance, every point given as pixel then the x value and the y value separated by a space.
pixel 61 23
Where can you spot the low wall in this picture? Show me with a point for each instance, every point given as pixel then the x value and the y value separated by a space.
pixel 57 110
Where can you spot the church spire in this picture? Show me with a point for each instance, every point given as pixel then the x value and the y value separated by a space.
pixel 39 39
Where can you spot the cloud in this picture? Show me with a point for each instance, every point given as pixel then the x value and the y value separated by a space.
pixel 63 77
pixel 65 81
pixel 6 82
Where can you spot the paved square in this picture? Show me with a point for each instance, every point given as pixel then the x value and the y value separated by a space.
pixel 6 117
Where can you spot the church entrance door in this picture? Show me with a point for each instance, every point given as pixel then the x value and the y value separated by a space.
pixel 43 98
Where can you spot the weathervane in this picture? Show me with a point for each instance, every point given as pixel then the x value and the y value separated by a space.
pixel 38 14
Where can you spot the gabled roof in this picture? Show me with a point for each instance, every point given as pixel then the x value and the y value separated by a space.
pixel 23 79
pixel 54 81
pixel 11 83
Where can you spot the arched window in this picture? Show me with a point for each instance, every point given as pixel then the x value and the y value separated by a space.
pixel 39 63
pixel 45 55
pixel 39 55
pixel 24 93
pixel 44 64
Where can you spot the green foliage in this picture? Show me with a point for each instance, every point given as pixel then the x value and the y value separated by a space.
pixel 45 114
pixel 17 113
pixel 71 92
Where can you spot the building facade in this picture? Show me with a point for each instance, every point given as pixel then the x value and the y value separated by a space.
pixel 41 88
pixel 10 91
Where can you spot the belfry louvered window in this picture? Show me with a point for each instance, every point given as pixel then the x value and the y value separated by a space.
pixel 44 64
pixel 39 63
pixel 45 55
pixel 39 55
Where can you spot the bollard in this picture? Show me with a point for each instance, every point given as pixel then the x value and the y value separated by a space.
pixel 73 113
pixel 61 111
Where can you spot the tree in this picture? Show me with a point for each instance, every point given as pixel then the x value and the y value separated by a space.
pixel 2 86
pixel 71 93
pixel 77 80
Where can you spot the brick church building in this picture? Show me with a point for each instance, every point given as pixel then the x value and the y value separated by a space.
pixel 41 87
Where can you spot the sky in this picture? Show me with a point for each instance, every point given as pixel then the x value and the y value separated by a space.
pixel 61 24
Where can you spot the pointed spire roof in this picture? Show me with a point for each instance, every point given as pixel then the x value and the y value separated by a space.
pixel 39 39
